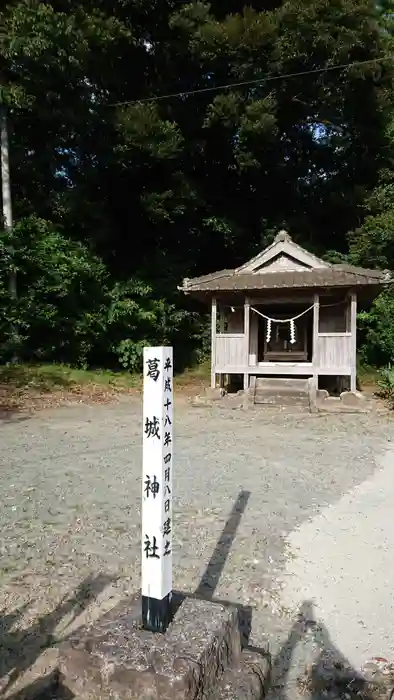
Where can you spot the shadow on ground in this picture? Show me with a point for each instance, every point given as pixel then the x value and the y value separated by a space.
pixel 211 576
pixel 330 677
pixel 12 415
pixel 17 655
pixel 20 649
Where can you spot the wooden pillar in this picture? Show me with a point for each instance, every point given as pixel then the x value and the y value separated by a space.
pixel 315 338
pixel 221 319
pixel 213 342
pixel 353 330
pixel 254 340
pixel 247 339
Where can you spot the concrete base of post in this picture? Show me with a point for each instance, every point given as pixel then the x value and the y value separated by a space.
pixel 199 656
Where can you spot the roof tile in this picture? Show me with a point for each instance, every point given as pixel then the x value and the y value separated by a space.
pixel 333 276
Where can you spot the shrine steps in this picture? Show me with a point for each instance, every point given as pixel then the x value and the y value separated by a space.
pixel 283 391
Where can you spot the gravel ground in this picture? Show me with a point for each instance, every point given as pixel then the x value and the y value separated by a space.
pixel 71 514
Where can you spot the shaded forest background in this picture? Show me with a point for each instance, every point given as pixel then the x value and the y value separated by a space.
pixel 117 197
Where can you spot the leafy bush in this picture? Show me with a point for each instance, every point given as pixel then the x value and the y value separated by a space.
pixel 376 330
pixel 68 309
pixel 61 307
pixel 139 316
pixel 386 383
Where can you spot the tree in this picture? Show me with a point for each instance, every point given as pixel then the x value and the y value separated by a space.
pixel 157 190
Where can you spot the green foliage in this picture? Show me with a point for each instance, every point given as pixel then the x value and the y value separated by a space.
pixel 116 198
pixel 61 294
pixel 372 243
pixel 132 311
pixel 68 309
pixel 386 383
pixel 376 330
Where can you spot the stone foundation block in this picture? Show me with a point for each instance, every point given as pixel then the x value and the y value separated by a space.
pixel 353 399
pixel 347 402
pixel 248 681
pixel 322 394
pixel 201 402
pixel 214 394
pixel 116 660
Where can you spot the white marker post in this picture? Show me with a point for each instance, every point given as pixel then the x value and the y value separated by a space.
pixel 157 462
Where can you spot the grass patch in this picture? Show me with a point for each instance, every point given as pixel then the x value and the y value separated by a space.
pixel 53 377
pixel 20 382
pixel 30 387
pixel 24 386
pixel 368 377
pixel 49 378
pixel 193 376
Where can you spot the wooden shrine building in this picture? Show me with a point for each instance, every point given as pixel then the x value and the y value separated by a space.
pixel 285 313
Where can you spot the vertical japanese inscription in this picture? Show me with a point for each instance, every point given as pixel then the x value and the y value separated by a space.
pixel 167 456
pixel 157 474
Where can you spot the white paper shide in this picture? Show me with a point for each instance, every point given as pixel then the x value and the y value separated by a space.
pixel 157 473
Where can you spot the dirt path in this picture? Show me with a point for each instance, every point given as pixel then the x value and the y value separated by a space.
pixel 71 513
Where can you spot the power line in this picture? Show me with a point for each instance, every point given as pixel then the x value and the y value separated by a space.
pixel 266 79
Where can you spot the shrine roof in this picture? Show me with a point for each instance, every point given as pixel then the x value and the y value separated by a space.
pixel 284 265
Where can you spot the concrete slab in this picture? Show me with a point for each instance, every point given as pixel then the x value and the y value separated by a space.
pixel 342 561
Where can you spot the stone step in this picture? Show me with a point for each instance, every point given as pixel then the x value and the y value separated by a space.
pixel 282 399
pixel 282 384
pixel 282 391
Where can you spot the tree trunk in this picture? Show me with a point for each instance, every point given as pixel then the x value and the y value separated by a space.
pixel 7 205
